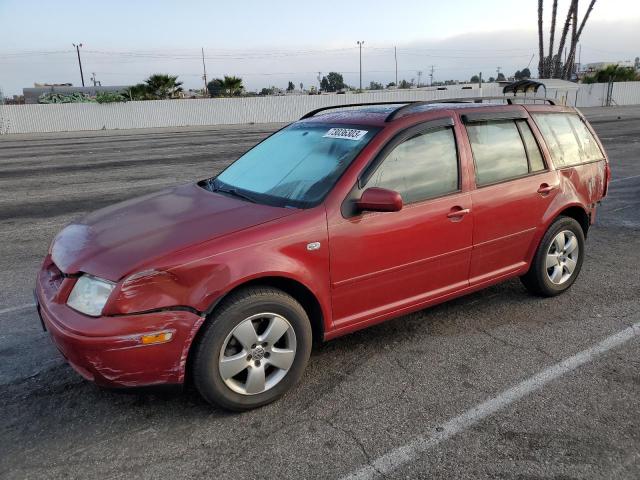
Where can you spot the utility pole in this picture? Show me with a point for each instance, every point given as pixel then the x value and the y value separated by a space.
pixel 204 73
pixel 395 55
pixel 93 79
pixel 579 57
pixel 79 61
pixel 419 72
pixel 498 73
pixel 431 76
pixel 360 44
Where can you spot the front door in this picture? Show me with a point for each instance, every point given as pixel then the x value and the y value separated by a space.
pixel 382 262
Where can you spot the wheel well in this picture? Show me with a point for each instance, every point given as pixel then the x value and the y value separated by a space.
pixel 578 214
pixel 296 289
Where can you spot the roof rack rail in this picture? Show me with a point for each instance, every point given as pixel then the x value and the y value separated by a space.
pixel 408 104
pixel 510 101
pixel 312 113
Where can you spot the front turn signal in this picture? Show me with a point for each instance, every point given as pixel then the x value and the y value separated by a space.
pixel 156 337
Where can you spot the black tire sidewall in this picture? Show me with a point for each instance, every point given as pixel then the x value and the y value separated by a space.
pixel 206 374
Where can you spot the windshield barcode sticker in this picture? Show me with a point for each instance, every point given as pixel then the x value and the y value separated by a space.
pixel 346 133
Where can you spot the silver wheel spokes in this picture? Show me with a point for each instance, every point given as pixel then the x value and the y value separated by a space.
pixel 257 354
pixel 562 257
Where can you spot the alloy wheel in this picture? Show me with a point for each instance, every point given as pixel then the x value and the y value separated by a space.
pixel 562 257
pixel 257 354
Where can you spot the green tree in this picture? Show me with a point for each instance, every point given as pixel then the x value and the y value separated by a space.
pixel 404 84
pixel 491 80
pixel 525 73
pixel 291 87
pixel 110 97
pixel 475 79
pixel 391 84
pixel 137 92
pixel 614 73
pixel 375 86
pixel 501 77
pixel 229 86
pixel 161 86
pixel 332 82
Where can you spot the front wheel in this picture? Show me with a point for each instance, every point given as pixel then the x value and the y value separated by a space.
pixel 558 259
pixel 254 349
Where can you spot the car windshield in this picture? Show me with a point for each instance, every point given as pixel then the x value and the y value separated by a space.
pixel 296 166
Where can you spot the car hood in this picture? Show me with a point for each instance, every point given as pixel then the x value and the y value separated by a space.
pixel 114 241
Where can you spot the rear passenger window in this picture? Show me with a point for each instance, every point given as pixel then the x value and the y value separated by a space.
pixel 568 138
pixel 421 167
pixel 498 151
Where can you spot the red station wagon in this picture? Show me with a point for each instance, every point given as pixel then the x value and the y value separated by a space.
pixel 337 222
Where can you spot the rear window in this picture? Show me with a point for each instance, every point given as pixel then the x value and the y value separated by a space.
pixel 568 138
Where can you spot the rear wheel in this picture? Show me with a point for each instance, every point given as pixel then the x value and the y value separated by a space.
pixel 254 349
pixel 558 259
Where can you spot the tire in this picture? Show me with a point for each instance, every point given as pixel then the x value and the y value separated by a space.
pixel 553 269
pixel 262 333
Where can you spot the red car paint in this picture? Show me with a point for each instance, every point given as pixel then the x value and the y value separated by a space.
pixel 175 254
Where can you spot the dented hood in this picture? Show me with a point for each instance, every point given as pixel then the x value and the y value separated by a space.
pixel 112 242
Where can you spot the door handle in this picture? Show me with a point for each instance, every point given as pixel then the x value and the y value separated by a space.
pixel 457 213
pixel 545 188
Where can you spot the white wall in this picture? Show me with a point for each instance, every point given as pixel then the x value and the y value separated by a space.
pixel 220 111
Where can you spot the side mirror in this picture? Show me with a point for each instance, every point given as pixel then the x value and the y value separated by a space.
pixel 376 199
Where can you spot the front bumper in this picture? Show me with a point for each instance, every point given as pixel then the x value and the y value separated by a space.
pixel 108 351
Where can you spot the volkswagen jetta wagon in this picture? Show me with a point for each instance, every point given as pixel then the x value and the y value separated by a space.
pixel 339 221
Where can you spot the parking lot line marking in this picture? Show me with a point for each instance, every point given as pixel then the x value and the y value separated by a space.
pixel 15 309
pixel 407 453
pixel 624 178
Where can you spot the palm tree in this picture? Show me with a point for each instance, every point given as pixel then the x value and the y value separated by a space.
pixel 563 38
pixel 162 86
pixel 552 34
pixel 576 36
pixel 137 92
pixel 540 41
pixel 229 86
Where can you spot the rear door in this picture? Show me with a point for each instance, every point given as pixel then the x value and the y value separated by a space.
pixel 382 262
pixel 514 187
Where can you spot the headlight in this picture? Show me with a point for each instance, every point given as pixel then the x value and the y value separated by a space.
pixel 89 295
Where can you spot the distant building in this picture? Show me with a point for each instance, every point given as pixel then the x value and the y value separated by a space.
pixel 31 95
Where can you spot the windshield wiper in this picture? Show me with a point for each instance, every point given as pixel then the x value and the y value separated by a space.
pixel 231 191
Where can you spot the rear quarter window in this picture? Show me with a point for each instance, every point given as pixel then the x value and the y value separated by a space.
pixel 568 139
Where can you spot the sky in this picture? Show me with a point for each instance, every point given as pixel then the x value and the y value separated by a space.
pixel 271 43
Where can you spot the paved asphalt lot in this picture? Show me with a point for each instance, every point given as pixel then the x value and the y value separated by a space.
pixel 363 395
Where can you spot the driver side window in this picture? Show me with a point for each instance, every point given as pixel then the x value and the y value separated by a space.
pixel 421 167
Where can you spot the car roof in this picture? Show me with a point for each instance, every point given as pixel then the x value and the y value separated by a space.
pixel 378 114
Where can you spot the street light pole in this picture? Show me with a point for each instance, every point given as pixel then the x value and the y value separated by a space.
pixel 79 61
pixel 360 44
